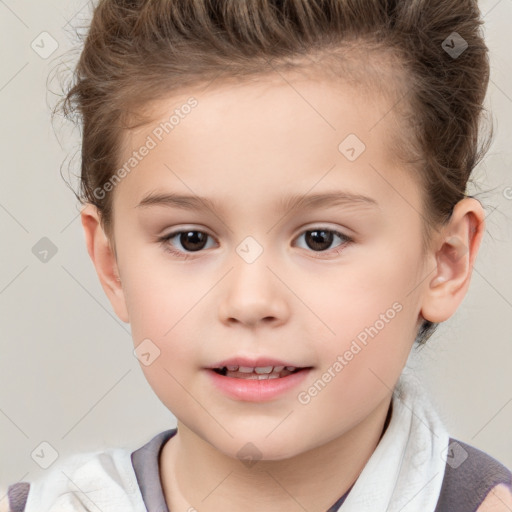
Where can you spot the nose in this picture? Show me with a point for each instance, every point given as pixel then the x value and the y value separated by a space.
pixel 253 294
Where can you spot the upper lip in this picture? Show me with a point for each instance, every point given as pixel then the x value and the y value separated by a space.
pixel 253 362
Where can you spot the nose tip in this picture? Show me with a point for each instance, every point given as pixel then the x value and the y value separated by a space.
pixel 250 316
pixel 252 306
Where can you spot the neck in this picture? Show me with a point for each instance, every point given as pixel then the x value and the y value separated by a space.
pixel 313 480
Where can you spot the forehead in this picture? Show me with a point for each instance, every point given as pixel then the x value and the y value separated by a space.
pixel 288 125
pixel 356 72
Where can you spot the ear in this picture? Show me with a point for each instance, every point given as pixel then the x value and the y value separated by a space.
pixel 455 253
pixel 103 257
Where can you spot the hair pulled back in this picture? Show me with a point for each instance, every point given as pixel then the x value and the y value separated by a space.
pixel 139 51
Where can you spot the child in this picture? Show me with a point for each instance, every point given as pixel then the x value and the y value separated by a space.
pixel 263 130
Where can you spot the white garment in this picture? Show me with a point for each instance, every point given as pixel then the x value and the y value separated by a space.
pixel 89 482
pixel 404 473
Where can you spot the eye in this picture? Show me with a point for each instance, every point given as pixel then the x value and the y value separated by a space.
pixel 321 238
pixel 191 240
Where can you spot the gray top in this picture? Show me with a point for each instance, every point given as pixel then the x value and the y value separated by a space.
pixel 464 488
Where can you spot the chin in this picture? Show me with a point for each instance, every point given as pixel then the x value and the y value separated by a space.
pixel 259 449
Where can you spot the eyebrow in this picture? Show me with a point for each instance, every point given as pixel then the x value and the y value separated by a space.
pixel 290 203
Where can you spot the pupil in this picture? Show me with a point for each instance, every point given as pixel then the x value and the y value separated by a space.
pixel 197 238
pixel 319 239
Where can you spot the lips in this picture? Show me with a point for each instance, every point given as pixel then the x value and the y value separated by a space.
pixel 251 381
pixel 260 373
pixel 262 368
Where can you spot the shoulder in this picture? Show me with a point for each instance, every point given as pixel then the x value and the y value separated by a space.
pixel 499 499
pixel 15 497
pixel 473 479
pixel 103 477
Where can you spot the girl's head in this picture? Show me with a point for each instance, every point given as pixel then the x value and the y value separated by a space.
pixel 244 104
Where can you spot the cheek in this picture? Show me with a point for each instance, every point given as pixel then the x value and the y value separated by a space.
pixel 163 322
pixel 372 329
pixel 368 311
pixel 357 293
pixel 162 317
pixel 166 317
pixel 159 295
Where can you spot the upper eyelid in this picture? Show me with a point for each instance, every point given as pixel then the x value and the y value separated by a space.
pixel 302 230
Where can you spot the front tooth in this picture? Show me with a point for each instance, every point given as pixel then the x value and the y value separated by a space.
pixel 263 369
pixel 245 369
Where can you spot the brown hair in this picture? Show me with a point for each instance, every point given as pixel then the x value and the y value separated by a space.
pixel 137 50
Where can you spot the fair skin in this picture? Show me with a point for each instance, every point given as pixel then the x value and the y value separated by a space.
pixel 499 499
pixel 249 147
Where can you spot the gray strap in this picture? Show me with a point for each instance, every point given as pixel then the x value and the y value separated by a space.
pixel 17 495
pixel 466 486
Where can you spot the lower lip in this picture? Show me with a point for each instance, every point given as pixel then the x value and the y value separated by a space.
pixel 252 390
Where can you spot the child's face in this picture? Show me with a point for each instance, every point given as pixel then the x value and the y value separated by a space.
pixel 261 285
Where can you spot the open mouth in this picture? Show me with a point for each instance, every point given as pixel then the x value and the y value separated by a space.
pixel 257 373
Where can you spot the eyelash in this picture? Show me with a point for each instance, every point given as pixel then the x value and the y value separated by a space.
pixel 165 242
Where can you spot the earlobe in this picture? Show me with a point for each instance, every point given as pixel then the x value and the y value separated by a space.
pixel 104 260
pixel 455 253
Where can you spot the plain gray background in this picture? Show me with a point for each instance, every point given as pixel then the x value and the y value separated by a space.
pixel 68 374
